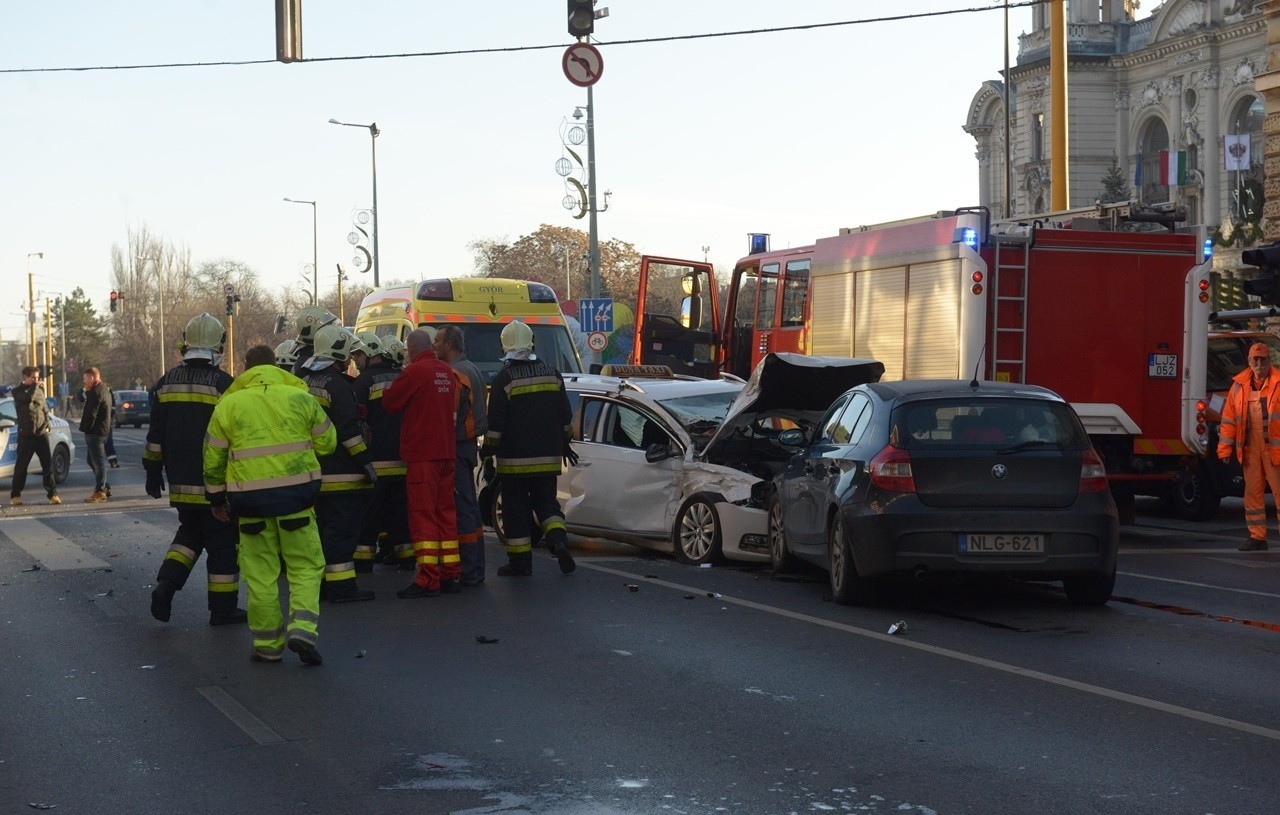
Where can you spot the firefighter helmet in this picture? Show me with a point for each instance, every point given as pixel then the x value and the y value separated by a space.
pixel 337 343
pixel 393 349
pixel 310 320
pixel 516 336
pixel 204 331
pixel 287 354
pixel 372 342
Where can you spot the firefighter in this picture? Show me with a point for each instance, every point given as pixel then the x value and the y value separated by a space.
pixel 426 393
pixel 348 475
pixel 1250 431
pixel 287 355
pixel 182 400
pixel 310 320
pixel 387 514
pixel 260 463
pixel 528 435
pixel 451 346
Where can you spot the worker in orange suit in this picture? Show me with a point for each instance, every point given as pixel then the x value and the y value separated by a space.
pixel 1250 431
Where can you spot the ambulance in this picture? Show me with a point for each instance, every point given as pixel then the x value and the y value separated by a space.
pixel 480 306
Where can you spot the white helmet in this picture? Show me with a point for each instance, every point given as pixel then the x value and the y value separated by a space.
pixel 337 343
pixel 516 336
pixel 393 350
pixel 204 331
pixel 372 342
pixel 312 319
pixel 287 354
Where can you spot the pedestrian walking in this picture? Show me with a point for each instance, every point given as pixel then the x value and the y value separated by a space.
pixel 349 478
pixel 528 436
pixel 387 515
pixel 426 394
pixel 473 421
pixel 261 465
pixel 182 400
pixel 1250 431
pixel 95 424
pixel 33 436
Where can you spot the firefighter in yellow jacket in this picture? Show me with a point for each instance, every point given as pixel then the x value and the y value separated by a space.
pixel 260 464
pixel 1250 431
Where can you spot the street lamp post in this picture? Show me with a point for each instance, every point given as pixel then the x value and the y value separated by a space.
pixel 373 141
pixel 315 269
pixel 31 308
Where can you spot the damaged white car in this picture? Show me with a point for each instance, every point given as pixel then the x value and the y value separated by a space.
pixel 684 465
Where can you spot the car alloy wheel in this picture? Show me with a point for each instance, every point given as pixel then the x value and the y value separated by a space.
pixel 779 555
pixel 847 586
pixel 697 535
pixel 61 463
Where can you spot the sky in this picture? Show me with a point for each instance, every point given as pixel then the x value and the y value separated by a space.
pixel 700 142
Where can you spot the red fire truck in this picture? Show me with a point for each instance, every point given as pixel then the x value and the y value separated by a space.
pixel 1109 307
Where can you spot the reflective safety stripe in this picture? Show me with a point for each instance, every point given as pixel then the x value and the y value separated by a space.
pixel 173 389
pixel 518 546
pixel 181 554
pixel 390 468
pixel 329 487
pixel 268 483
pixel 214 441
pixel 303 616
pixel 189 500
pixel 321 428
pixel 269 450
pixel 334 478
pixel 355 445
pixel 215 489
pixel 153 447
pixel 190 398
pixel 187 489
pixel 222 587
pixel 553 523
pixel 322 396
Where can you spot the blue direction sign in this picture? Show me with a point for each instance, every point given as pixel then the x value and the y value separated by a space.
pixel 596 315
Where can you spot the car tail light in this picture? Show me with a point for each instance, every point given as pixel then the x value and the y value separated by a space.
pixel 891 470
pixel 1093 476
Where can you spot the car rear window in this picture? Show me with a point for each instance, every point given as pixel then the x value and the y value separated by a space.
pixel 987 423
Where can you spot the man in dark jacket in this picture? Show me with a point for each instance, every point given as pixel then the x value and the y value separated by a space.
pixel 181 403
pixel 95 424
pixel 529 431
pixel 33 436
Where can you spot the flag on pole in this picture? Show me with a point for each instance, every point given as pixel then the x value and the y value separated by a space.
pixel 1173 168
pixel 1236 152
pixel 1137 173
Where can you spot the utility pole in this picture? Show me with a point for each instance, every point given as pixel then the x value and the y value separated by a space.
pixel 48 344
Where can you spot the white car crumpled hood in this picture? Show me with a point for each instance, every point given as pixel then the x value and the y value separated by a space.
pixel 786 386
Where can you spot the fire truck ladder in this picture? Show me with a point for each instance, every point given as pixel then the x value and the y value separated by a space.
pixel 1009 282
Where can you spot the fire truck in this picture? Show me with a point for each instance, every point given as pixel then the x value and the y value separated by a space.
pixel 1108 307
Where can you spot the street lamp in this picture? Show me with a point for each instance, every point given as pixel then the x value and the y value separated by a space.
pixel 315 283
pixel 31 307
pixel 373 141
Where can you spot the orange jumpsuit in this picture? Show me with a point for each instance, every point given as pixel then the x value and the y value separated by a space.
pixel 1256 444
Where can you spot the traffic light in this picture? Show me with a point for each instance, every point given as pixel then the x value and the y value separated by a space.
pixel 582 18
pixel 288 30
pixel 115 296
pixel 232 299
pixel 1266 286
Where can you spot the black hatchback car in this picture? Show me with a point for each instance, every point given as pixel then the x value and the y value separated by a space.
pixel 130 407
pixel 932 477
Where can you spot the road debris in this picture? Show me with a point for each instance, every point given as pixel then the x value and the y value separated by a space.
pixel 483 640
pixel 899 628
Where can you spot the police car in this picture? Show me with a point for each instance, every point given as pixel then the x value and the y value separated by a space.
pixel 684 465
pixel 63 447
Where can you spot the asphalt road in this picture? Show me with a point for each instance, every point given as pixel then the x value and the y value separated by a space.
pixel 637 685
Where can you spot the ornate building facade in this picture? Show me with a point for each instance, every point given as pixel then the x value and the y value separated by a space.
pixel 1181 79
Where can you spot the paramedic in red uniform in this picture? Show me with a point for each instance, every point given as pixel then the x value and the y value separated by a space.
pixel 1250 431
pixel 426 394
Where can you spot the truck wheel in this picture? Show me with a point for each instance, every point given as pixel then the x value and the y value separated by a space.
pixel 1194 498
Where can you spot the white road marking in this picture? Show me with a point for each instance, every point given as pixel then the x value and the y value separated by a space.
pixel 947 653
pixel 1200 585
pixel 50 549
pixel 240 716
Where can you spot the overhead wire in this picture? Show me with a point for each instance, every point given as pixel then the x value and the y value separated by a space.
pixel 522 48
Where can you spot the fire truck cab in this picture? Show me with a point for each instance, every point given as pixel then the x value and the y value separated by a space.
pixel 1107 307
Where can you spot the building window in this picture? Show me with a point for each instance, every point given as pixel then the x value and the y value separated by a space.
pixel 1037 137
pixel 1152 138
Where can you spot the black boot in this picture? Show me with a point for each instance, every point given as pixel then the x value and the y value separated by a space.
pixel 520 565
pixel 162 600
pixel 346 591
pixel 230 616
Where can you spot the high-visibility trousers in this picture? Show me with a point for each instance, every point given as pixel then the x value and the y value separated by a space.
pixel 433 520
pixel 1258 473
pixel 264 544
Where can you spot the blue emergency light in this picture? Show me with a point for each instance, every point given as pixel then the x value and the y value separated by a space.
pixel 969 237
pixel 757 243
pixel 1208 249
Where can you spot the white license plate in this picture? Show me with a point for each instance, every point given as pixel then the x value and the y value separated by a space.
pixel 1162 366
pixel 1001 544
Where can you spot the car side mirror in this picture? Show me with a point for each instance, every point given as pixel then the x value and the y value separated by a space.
pixel 794 438
pixel 658 451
